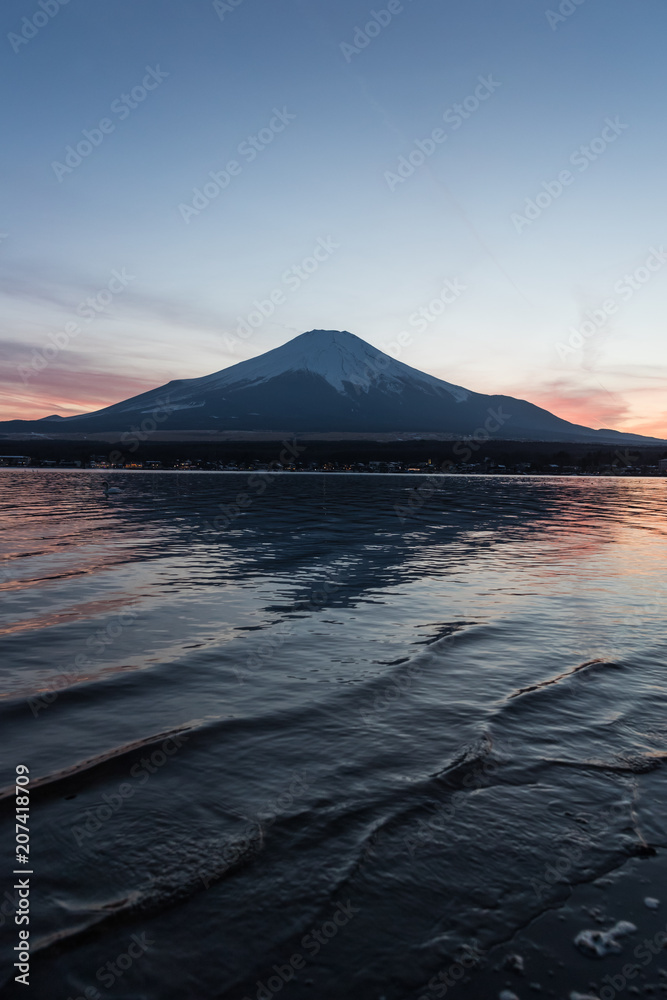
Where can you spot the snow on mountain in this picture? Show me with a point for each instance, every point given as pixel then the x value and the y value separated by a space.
pixel 331 382
pixel 340 358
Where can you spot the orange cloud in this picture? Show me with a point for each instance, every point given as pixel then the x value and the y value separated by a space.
pixel 635 410
pixel 593 406
pixel 638 408
pixel 68 392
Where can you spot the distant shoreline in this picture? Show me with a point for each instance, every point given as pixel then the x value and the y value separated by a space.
pixel 340 472
pixel 464 456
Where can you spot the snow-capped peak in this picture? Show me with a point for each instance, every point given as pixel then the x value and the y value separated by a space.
pixel 339 357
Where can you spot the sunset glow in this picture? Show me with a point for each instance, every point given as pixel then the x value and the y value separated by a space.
pixel 159 252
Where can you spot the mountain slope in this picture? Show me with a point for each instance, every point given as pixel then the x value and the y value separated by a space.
pixel 329 381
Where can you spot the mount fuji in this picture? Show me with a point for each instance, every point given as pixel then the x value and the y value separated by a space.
pixel 328 382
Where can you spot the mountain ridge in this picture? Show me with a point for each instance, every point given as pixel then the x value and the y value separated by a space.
pixel 325 381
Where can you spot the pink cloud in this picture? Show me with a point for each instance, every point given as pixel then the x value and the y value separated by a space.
pixel 67 392
pixel 635 410
pixel 593 406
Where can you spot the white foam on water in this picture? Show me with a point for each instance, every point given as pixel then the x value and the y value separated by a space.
pixel 601 943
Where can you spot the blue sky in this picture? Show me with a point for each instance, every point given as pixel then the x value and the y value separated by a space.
pixel 333 121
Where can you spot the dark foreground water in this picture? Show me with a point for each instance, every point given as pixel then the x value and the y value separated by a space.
pixel 316 750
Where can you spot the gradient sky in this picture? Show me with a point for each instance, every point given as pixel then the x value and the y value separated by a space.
pixel 330 175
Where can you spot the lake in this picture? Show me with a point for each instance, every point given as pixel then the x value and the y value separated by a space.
pixel 325 735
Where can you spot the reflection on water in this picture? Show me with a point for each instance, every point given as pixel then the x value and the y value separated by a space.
pixel 244 707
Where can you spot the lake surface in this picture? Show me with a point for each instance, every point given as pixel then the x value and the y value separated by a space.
pixel 285 739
